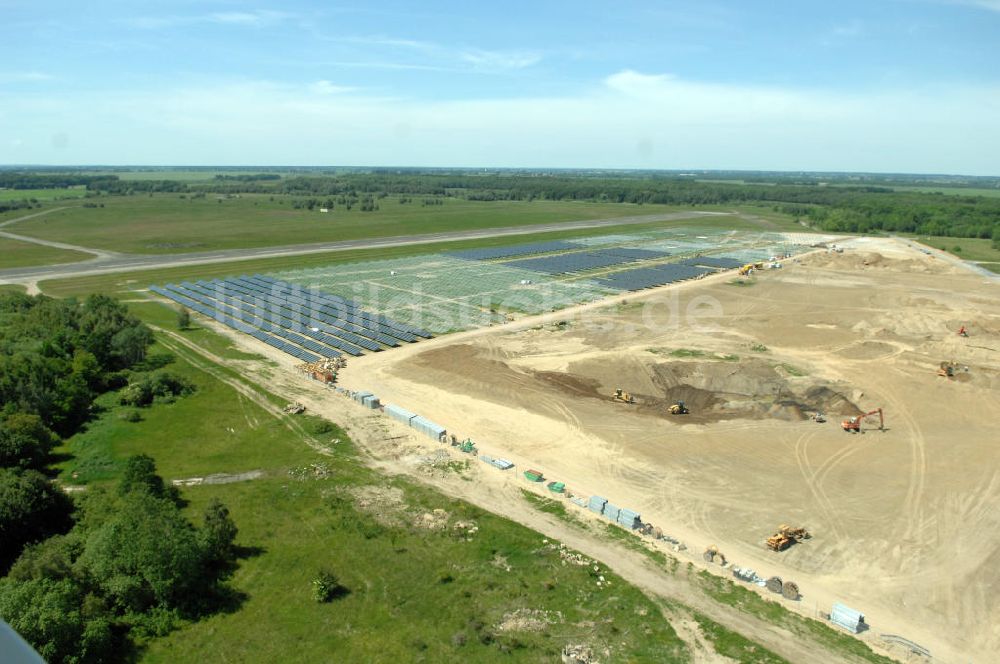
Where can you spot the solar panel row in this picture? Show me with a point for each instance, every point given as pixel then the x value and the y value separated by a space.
pixel 353 307
pixel 563 263
pixel 516 250
pixel 228 320
pixel 292 316
pixel 635 254
pixel 648 277
pixel 270 321
pixel 316 313
pixel 335 314
pixel 713 261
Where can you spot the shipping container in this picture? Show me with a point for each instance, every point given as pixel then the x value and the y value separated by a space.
pixel 534 475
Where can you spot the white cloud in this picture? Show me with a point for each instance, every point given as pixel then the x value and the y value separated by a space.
pixel 253 18
pixel 24 76
pixel 990 5
pixel 328 88
pixel 630 119
pixel 495 60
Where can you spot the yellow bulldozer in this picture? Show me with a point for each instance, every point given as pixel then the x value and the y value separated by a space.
pixel 622 396
pixel 785 537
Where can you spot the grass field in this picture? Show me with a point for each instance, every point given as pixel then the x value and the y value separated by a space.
pixel 970 249
pixel 122 284
pixel 42 194
pixel 169 224
pixel 413 592
pixel 14 253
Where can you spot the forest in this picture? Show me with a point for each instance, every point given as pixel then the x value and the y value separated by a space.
pixel 83 576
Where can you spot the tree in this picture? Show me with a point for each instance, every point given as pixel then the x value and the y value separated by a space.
pixel 183 319
pixel 25 442
pixel 218 534
pixel 31 509
pixel 996 236
pixel 146 555
pixel 129 344
pixel 57 619
pixel 140 475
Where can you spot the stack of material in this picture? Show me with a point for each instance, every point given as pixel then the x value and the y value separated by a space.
pixel 611 511
pixel 371 401
pixel 846 617
pixel 597 504
pixel 399 414
pixel 629 518
pixel 428 428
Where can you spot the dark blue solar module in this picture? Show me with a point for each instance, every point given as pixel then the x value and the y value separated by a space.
pixel 635 254
pixel 563 263
pixel 713 261
pixel 516 250
pixel 297 321
pixel 649 277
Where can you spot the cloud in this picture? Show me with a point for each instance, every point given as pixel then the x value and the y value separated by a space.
pixel 990 5
pixel 24 77
pixel 328 88
pixel 630 119
pixel 500 60
pixel 255 18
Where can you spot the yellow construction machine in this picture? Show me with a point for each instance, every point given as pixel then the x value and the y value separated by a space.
pixel 678 409
pixel 785 537
pixel 622 396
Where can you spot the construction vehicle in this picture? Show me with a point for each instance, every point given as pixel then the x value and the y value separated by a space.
pixel 819 418
pixel 678 409
pixel 785 537
pixel 853 424
pixel 713 555
pixel 622 396
pixel 294 408
pixel 746 270
pixel 947 370
pixel 779 541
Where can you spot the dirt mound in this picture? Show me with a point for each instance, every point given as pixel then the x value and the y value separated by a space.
pixel 870 260
pixel 711 390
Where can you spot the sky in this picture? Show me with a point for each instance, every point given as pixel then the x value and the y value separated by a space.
pixel 903 86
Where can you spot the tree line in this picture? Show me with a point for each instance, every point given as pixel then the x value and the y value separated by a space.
pixel 854 208
pixel 83 576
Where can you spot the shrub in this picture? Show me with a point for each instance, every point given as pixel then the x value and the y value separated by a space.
pixel 326 587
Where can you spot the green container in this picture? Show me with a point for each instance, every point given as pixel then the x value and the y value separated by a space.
pixel 557 487
pixel 533 475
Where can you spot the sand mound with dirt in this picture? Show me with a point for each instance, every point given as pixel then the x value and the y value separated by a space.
pixel 870 260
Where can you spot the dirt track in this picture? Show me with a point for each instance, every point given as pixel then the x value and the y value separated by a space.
pixel 904 521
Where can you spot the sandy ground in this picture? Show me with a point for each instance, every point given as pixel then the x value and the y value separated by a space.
pixel 904 522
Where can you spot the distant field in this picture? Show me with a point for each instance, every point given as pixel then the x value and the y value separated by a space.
pixel 42 194
pixel 14 253
pixel 124 283
pixel 169 224
pixel 179 175
pixel 953 191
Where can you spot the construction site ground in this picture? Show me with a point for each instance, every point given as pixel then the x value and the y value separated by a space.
pixel 903 521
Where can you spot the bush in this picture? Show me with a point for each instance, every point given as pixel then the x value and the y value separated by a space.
pixel 157 385
pixel 326 587
pixel 131 415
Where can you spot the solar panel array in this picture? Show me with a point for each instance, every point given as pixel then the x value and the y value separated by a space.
pixel 576 262
pixel 634 254
pixel 713 261
pixel 490 253
pixel 649 277
pixel 305 324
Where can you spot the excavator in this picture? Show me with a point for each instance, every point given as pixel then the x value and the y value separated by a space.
pixel 853 425
pixel 678 409
pixel 622 396
pixel 947 370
